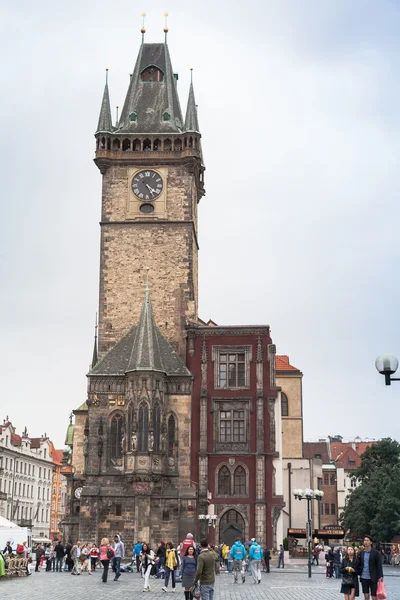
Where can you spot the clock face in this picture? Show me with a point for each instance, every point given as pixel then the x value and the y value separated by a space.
pixel 147 185
pixel 78 492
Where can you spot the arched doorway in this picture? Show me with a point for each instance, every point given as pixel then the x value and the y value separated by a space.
pixel 231 526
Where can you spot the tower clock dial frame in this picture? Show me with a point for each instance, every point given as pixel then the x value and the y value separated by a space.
pixel 147 192
pixel 147 185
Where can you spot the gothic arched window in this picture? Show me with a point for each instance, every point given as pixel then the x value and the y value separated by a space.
pixel 156 427
pixel 171 435
pixel 143 428
pixel 284 405
pixel 239 482
pixel 152 74
pixel 224 481
pixel 116 437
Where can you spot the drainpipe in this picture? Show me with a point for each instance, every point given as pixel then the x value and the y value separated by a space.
pixel 289 466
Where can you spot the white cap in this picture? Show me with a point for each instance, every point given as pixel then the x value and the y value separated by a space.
pixel 253 539
pixel 190 535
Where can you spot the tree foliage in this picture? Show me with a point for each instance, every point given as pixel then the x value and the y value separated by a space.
pixel 374 506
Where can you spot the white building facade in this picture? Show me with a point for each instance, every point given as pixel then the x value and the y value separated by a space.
pixel 26 472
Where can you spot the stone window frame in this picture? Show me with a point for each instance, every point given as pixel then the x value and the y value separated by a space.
pixel 115 462
pixel 284 404
pixel 232 469
pixel 247 349
pixel 223 404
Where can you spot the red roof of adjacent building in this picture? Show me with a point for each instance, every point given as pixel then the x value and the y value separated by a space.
pixel 15 439
pixel 35 442
pixel 316 450
pixel 338 449
pixel 282 363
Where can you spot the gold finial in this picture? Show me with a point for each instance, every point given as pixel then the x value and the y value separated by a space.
pixel 106 75
pixel 166 24
pixel 143 30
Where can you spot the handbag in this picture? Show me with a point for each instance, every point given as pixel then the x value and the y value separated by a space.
pixel 381 591
pixel 348 579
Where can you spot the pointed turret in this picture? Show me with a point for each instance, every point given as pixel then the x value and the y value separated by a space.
pixel 105 120
pixel 95 355
pixel 191 120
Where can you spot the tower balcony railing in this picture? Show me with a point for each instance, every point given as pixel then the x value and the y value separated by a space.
pixel 110 145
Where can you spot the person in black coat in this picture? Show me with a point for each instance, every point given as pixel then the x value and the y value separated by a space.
pixel 267 558
pixel 350 569
pixel 371 570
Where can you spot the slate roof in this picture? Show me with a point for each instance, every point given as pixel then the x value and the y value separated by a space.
pixel 191 119
pixel 105 120
pixel 143 348
pixel 150 99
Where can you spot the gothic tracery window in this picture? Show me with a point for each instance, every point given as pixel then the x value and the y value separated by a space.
pixel 116 431
pixel 224 481
pixel 156 427
pixel 152 74
pixel 239 482
pixel 143 428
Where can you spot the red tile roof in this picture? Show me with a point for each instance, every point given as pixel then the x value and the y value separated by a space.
pixel 35 442
pixel 338 449
pixel 282 363
pixel 311 449
pixel 15 439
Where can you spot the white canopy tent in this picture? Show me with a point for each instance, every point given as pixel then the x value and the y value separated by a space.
pixel 6 524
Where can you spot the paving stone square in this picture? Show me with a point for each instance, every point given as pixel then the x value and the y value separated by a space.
pixel 290 584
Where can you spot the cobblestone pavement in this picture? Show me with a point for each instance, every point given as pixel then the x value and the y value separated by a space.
pixel 277 585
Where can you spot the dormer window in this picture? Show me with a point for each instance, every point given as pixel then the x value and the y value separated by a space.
pixel 166 116
pixel 152 74
pixel 133 116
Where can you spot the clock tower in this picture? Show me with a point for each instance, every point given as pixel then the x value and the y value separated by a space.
pixel 153 178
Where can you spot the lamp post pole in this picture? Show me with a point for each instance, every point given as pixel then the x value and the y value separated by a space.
pixel 308 495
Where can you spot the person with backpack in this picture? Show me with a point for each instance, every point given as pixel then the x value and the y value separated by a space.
pixel 255 557
pixel 106 554
pixel 238 554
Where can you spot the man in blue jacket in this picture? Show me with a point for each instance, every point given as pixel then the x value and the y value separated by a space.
pixel 255 557
pixel 238 554
pixel 137 551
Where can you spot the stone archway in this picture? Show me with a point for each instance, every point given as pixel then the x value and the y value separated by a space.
pixel 231 526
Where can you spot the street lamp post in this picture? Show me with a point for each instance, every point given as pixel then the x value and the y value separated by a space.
pixel 387 365
pixel 309 495
pixel 212 519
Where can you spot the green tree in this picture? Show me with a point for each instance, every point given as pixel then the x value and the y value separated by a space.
pixel 374 506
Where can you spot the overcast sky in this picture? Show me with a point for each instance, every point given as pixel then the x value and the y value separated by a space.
pixel 299 111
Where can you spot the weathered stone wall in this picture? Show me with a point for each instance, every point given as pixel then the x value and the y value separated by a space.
pixel 165 245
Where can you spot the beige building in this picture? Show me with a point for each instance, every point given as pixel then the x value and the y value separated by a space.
pixel 298 471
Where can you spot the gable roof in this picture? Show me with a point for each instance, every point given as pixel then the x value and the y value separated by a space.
pixel 338 449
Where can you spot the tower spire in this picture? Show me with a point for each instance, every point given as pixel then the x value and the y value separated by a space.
pixel 191 120
pixel 105 120
pixel 95 356
pixel 143 30
pixel 166 26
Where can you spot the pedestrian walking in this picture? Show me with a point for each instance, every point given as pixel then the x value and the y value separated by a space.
pixel 371 568
pixel 329 557
pixel 60 553
pixel 85 559
pixel 238 554
pixel 205 573
pixel 147 562
pixel 160 554
pixel 337 559
pixel 350 569
pixel 188 541
pixel 225 555
pixel 119 553
pixel 267 558
pixel 106 554
pixel 76 555
pixel 188 571
pixel 281 557
pixel 217 555
pixel 137 552
pixel 94 557
pixel 255 557
pixel 39 555
pixel 171 563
